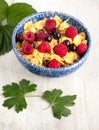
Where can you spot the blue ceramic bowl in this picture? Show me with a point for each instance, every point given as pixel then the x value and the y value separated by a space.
pixel 50 72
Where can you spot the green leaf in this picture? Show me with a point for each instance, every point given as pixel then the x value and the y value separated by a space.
pixel 1 37
pixel 5 41
pixel 52 95
pixel 15 94
pixel 59 111
pixel 66 100
pixel 59 103
pixel 11 90
pixel 21 104
pixel 24 85
pixel 3 9
pixel 18 11
pixel 18 102
pixel 48 96
pixel 31 88
pixel 65 111
pixel 9 17
pixel 56 93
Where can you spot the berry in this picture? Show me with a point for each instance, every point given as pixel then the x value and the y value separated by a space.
pixel 54 64
pixel 50 24
pixel 27 49
pixel 66 42
pixel 19 37
pixel 71 32
pixel 54 30
pixel 72 47
pixel 56 35
pixel 62 65
pixel 29 36
pixel 46 62
pixel 82 48
pixel 48 38
pixel 40 35
pixel 33 44
pixel 60 50
pixel 44 47
pixel 50 32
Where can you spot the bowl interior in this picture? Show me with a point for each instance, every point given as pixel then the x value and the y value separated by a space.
pixel 41 15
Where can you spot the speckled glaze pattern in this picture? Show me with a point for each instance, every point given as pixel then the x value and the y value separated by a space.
pixel 50 72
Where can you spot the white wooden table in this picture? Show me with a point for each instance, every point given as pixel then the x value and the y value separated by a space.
pixel 84 82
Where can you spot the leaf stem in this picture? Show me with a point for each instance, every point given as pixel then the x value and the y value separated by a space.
pixel 33 95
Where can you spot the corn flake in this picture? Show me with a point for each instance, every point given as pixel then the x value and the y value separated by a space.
pixel 53 43
pixel 29 26
pixel 71 57
pixel 77 40
pixel 82 35
pixel 28 57
pixel 63 26
pixel 40 24
pixel 35 61
pixel 84 41
pixel 58 20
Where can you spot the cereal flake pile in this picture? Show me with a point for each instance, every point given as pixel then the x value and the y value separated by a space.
pixel 51 42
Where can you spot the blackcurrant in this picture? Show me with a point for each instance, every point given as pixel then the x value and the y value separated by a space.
pixel 19 38
pixel 46 62
pixel 56 35
pixel 66 42
pixel 72 47
pixel 54 30
pixel 48 38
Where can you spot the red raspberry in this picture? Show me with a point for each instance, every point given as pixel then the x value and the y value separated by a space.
pixel 44 47
pixel 40 35
pixel 71 32
pixel 50 24
pixel 82 48
pixel 60 50
pixel 54 64
pixel 27 49
pixel 29 36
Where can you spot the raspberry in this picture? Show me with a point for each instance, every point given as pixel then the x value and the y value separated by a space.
pixel 71 32
pixel 40 35
pixel 54 64
pixel 27 49
pixel 60 50
pixel 50 24
pixel 44 47
pixel 82 48
pixel 29 36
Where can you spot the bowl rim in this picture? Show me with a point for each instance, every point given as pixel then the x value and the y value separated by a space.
pixel 41 67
